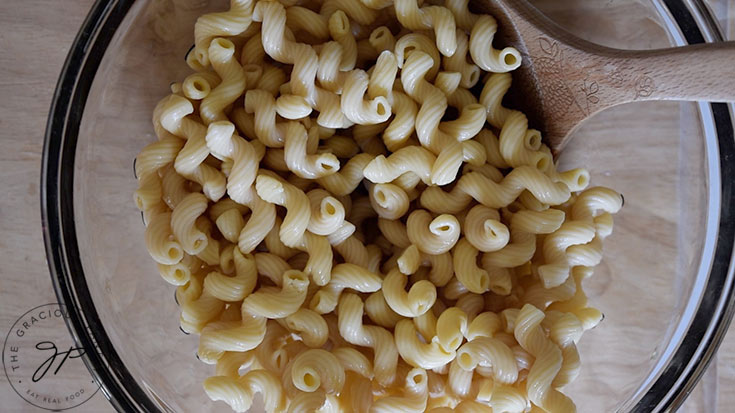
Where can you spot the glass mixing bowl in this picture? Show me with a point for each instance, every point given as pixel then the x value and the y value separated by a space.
pixel 664 286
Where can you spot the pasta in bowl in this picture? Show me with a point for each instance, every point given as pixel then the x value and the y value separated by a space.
pixel 353 220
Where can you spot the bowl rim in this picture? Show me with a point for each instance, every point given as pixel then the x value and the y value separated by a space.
pixel 667 391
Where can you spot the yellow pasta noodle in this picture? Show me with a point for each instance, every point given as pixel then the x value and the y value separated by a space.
pixel 348 178
pixel 424 355
pixel 159 240
pixel 451 327
pixel 229 23
pixel 310 326
pixel 339 29
pixel 344 276
pixel 174 187
pixel 489 59
pixel 389 201
pixel 279 303
pixel 414 398
pixel 413 303
pixel 235 288
pixel 356 108
pixel 310 166
pixel 302 18
pixel 380 312
pixel 232 361
pixel 432 236
pixel 474 278
pixel 239 393
pixel 470 73
pixel 222 56
pixel 548 362
pixel 382 39
pixel 296 202
pixel 314 369
pixel 183 223
pixel 438 18
pixel 221 336
pixel 379 339
pixel 492 352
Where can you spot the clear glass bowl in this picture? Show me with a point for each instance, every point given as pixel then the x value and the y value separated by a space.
pixel 664 286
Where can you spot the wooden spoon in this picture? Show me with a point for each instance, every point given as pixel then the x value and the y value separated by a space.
pixel 563 79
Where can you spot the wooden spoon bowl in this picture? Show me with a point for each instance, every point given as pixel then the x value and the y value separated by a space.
pixel 563 79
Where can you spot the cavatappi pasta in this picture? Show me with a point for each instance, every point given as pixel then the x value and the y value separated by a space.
pixel 352 226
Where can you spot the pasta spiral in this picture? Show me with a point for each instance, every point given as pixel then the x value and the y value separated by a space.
pixel 222 56
pixel 239 393
pixel 229 23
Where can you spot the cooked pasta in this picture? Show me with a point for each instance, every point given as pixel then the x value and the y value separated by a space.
pixel 438 18
pixel 475 185
pixel 414 398
pixel 231 362
pixel 294 200
pixel 183 223
pixel 230 23
pixel 327 213
pixel 222 57
pixel 292 107
pixel 352 329
pixel 432 236
pixel 158 239
pixel 451 327
pixel 156 155
pixel 484 230
pixel 380 312
pixel 413 159
pixel 232 289
pixel 221 336
pixel 240 392
pixel 548 362
pixel 470 74
pixel 353 360
pixel 491 352
pixel 389 201
pixel 198 85
pixel 302 18
pixel 399 130
pixel 349 176
pixel 174 187
pixel 351 227
pixel 274 303
pixel 339 29
pixel 484 55
pixel 230 224
pixel 416 301
pixel 263 106
pixel 309 166
pixel 382 39
pixel 344 276
pixel 356 108
pixel 316 368
pixel 416 353
pixel 474 278
pixel 189 161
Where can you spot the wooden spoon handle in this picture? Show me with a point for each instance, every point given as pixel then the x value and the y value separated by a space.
pixel 691 73
pixel 586 78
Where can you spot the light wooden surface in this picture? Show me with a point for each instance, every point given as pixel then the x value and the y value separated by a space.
pixel 34 40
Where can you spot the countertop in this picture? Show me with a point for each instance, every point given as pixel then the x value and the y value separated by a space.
pixel 34 41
